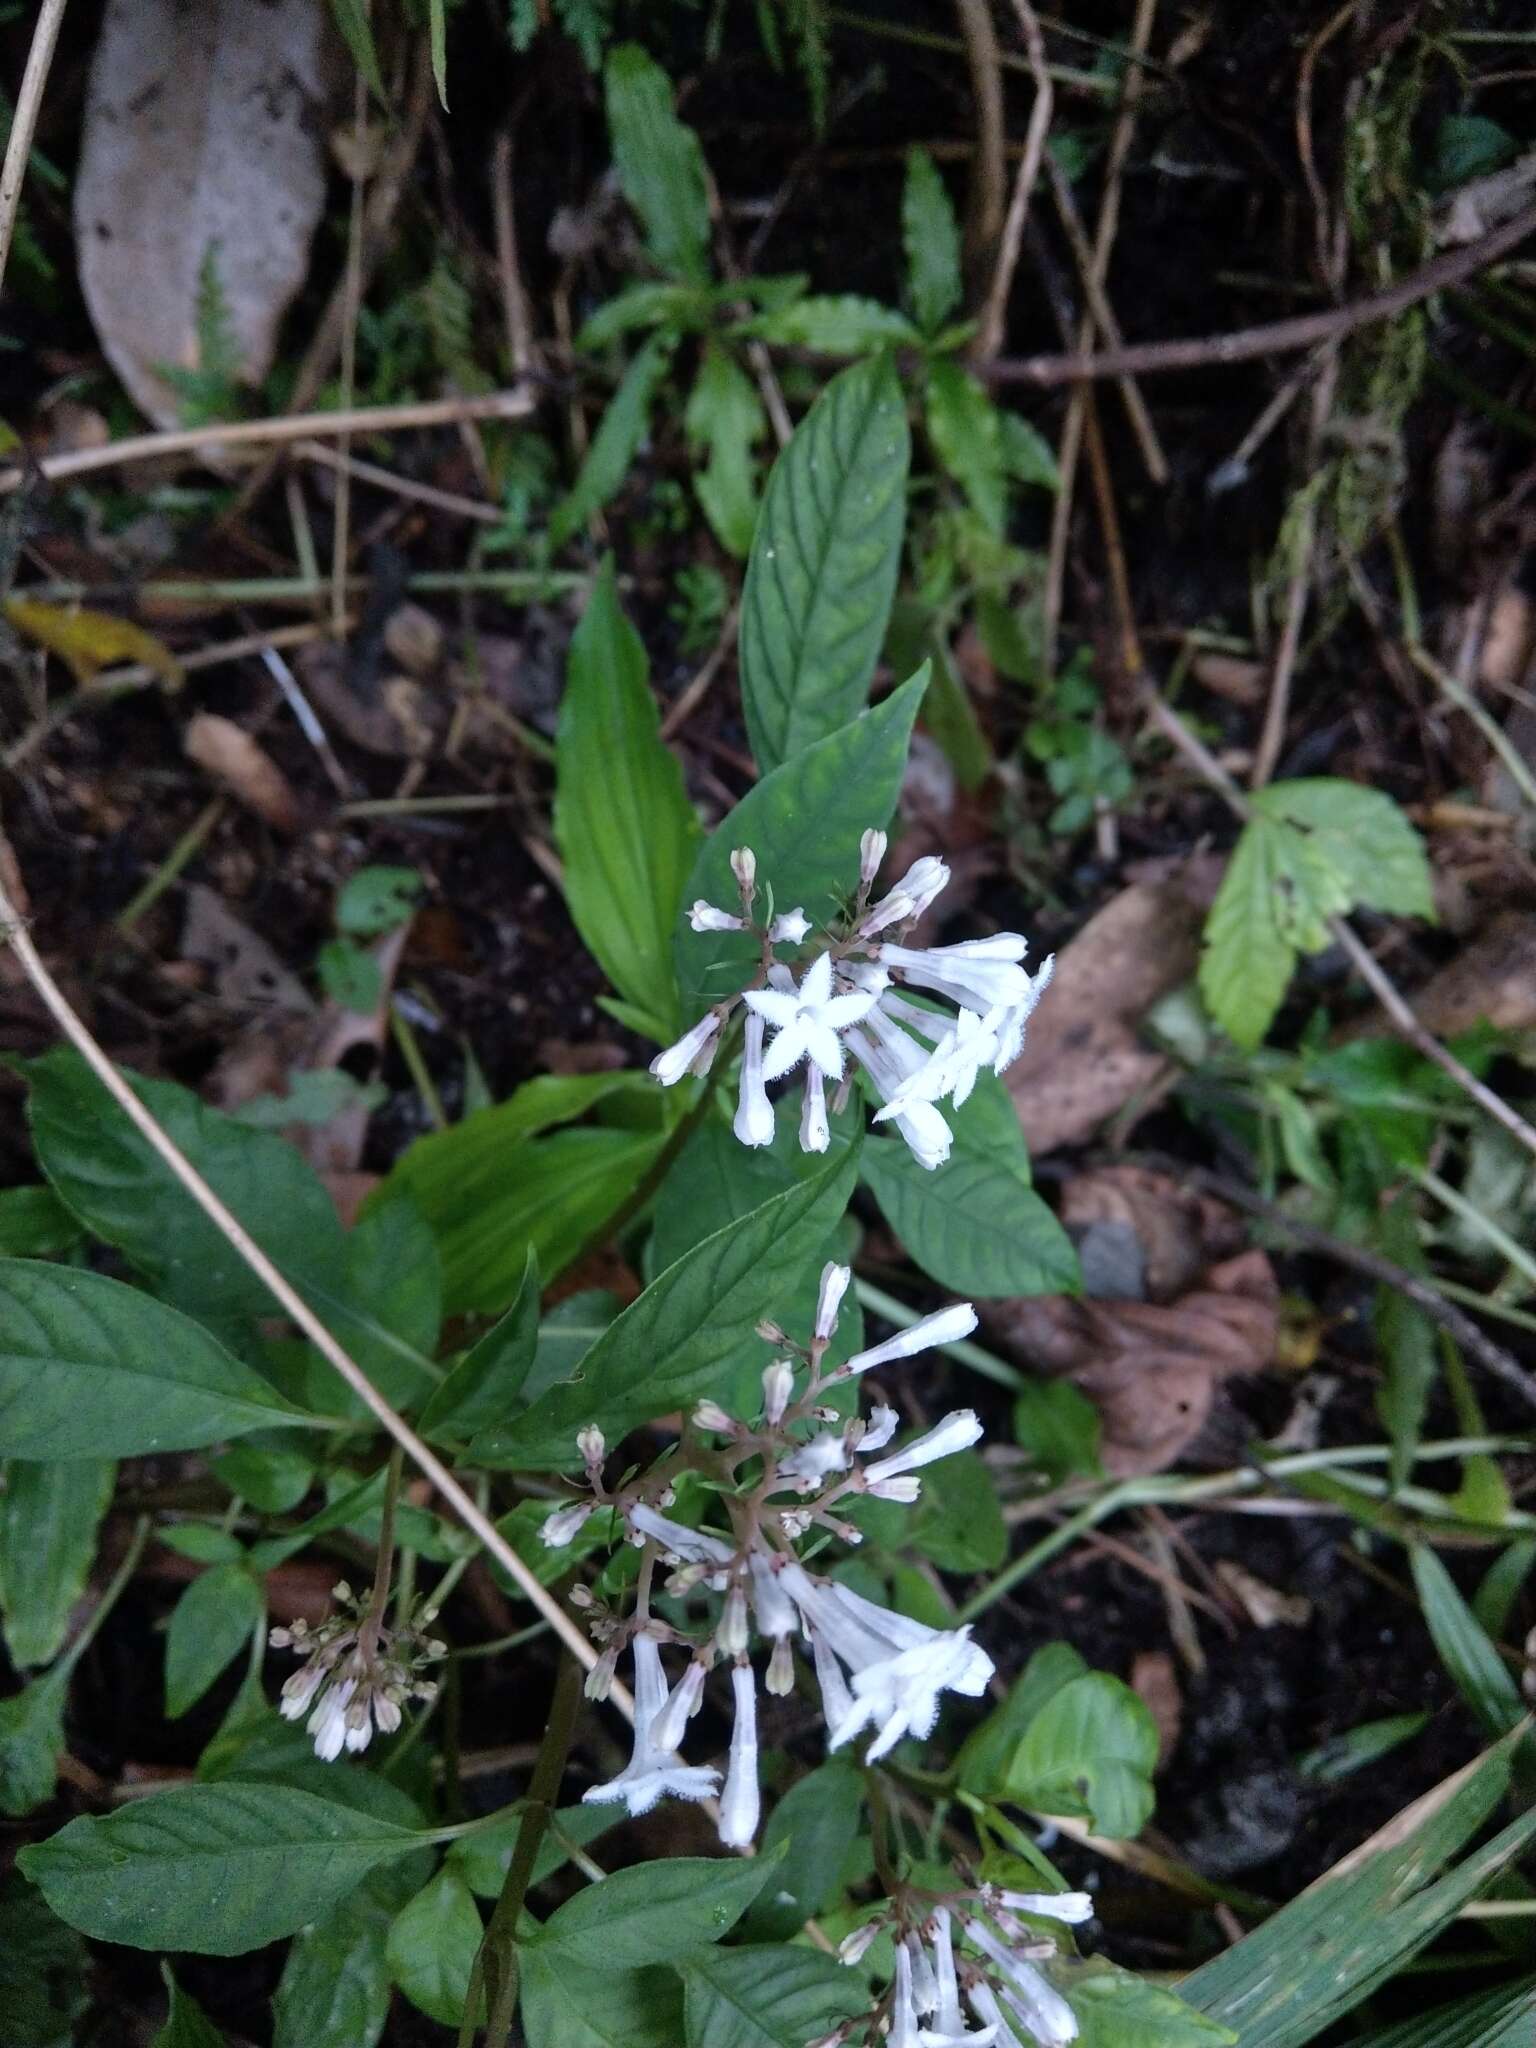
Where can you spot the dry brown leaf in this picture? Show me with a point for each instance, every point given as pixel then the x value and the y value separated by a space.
pixel 1166 1233
pixel 1491 979
pixel 229 754
pixel 1152 1369
pixel 1265 1605
pixel 1230 676
pixel 247 972
pixel 1156 1684
pixel 203 153
pixel 1084 1058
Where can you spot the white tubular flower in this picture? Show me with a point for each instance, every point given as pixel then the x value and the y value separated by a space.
pixel 969 1044
pixel 669 1726
pixel 947 1326
pixel 775 1611
pixel 1070 1908
pixel 566 1523
pixel 836 1699
pixel 698 1546
pixel 651 1774
pixel 986 2008
pixel 778 1385
pixel 753 1122
pixel 899 1666
pixel 806 1020
pixel 733 1633
pixel 789 928
pixel 691 1054
pixel 879 1429
pixel 889 1057
pixel 816 1459
pixel 1010 1026
pixel 904 1491
pixel 904 2028
pixel 855 1946
pixel 947 2017
pixel 925 1985
pixel 704 917
pixel 871 852
pixel 815 1131
pixel 925 880
pixel 834 1285
pixel 957 1432
pixel 299 1688
pixel 741 1801
pixel 328 1723
pixel 1040 2009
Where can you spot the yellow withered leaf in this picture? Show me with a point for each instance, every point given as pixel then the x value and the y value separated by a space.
pixel 88 642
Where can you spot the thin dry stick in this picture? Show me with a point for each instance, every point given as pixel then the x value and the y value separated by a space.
pixel 984 203
pixel 516 404
pixel 29 103
pixel 689 702
pixel 293 1304
pixel 352 299
pixel 994 314
pixel 514 299
pixel 1278 337
pixel 1386 992
pixel 401 486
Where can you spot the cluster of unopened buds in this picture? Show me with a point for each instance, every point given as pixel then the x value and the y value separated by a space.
pixel 971 1951
pixel 357 1675
pixel 778 1477
pixel 846 996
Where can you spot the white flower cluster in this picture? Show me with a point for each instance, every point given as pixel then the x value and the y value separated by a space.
pixel 358 1674
pixel 877 1670
pixel 1008 1994
pixel 848 998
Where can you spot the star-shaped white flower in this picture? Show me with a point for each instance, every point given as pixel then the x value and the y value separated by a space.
pixel 806 1020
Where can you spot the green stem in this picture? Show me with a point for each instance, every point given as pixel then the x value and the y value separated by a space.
pixel 379 1598
pixel 63 1669
pixel 496 1964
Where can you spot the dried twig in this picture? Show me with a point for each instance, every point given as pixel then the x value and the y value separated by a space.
pixel 24 125
pixel 401 486
pixel 516 404
pixel 693 696
pixel 514 299
pixel 1399 1014
pixel 1278 337
pixel 352 299
pixel 984 205
pixel 994 313
pixel 288 1299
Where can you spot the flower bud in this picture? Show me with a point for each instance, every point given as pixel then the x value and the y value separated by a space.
pixel 711 1416
pixel 600 1677
pixel 781 1669
pixel 778 1385
pixel 732 1634
pixel 871 852
pixel 855 1946
pixel 591 1444
pixel 744 868
pixel 566 1523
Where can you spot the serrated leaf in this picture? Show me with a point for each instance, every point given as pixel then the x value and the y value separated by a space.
pixel 49 1517
pixel 725 418
pixel 1364 837
pixel 564 2006
pixel 619 437
pixel 659 163
pixel 212 1869
pixel 1091 1751
pixel 1479 1672
pixel 657 1912
pixel 975 1225
pixel 210 1624
pixel 1246 961
pixel 835 324
pixel 623 823
pixel 432 1946
pixel 930 235
pixel 823 565
pixel 965 428
pixel 771 1997
pixel 666 1349
pixel 90 1368
pixel 804 823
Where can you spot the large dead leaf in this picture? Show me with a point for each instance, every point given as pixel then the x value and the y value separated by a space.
pixel 1492 980
pixel 1142 1225
pixel 1084 1057
pixel 1152 1369
pixel 203 158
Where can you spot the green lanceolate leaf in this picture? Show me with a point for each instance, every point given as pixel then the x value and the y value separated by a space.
pixel 1117 2009
pixel 1091 1751
pixel 44 1969
pixel 823 564
pixel 659 163
pixel 975 1224
pixel 335 1988
pixel 432 1946
pixel 49 1516
pixel 666 1349
pixel 965 428
pixel 618 439
pixel 774 1997
pixel 818 1820
pixel 90 1368
pixel 186 2024
pixel 31 1737
pixel 836 324
pixel 930 234
pixel 725 419
pixel 211 1624
pixel 803 822
pixel 566 2006
pixel 213 1869
pixel 625 828
pixel 1502 2018
pixel 655 1912
pixel 1480 1673
pixel 487 1382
